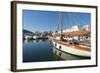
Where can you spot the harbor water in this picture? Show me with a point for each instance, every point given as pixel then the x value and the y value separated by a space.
pixel 38 50
pixel 41 50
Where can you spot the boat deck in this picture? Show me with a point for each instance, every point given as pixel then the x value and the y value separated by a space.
pixel 80 47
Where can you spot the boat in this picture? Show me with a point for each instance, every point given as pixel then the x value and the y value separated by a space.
pixel 75 42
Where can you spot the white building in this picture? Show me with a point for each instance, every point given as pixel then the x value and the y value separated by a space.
pixel 27 36
pixel 86 27
pixel 77 28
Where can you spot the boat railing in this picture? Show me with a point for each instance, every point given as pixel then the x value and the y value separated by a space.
pixel 76 43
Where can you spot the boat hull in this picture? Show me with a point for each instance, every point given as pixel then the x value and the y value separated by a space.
pixel 63 51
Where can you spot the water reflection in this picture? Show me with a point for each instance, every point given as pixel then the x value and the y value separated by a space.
pixel 30 41
pixel 38 50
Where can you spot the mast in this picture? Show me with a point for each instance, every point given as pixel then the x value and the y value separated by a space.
pixel 61 23
pixel 57 28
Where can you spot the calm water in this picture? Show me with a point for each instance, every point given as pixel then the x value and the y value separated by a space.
pixel 41 50
pixel 38 50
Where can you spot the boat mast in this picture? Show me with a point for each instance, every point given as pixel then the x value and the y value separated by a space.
pixel 61 23
pixel 58 24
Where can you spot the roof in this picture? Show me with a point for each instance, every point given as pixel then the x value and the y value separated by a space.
pixel 76 33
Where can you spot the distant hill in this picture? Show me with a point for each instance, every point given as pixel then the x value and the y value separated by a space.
pixel 27 32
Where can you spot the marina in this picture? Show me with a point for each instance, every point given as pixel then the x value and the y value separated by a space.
pixel 73 43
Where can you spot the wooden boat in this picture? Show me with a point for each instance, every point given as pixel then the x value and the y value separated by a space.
pixel 72 48
pixel 63 47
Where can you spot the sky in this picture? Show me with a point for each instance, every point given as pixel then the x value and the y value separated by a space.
pixel 48 20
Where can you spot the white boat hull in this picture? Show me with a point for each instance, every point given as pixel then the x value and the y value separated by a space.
pixel 72 50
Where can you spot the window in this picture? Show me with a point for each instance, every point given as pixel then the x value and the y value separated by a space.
pixel 60 54
pixel 55 44
pixel 59 47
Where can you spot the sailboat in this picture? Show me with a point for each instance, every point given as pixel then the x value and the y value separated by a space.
pixel 76 42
